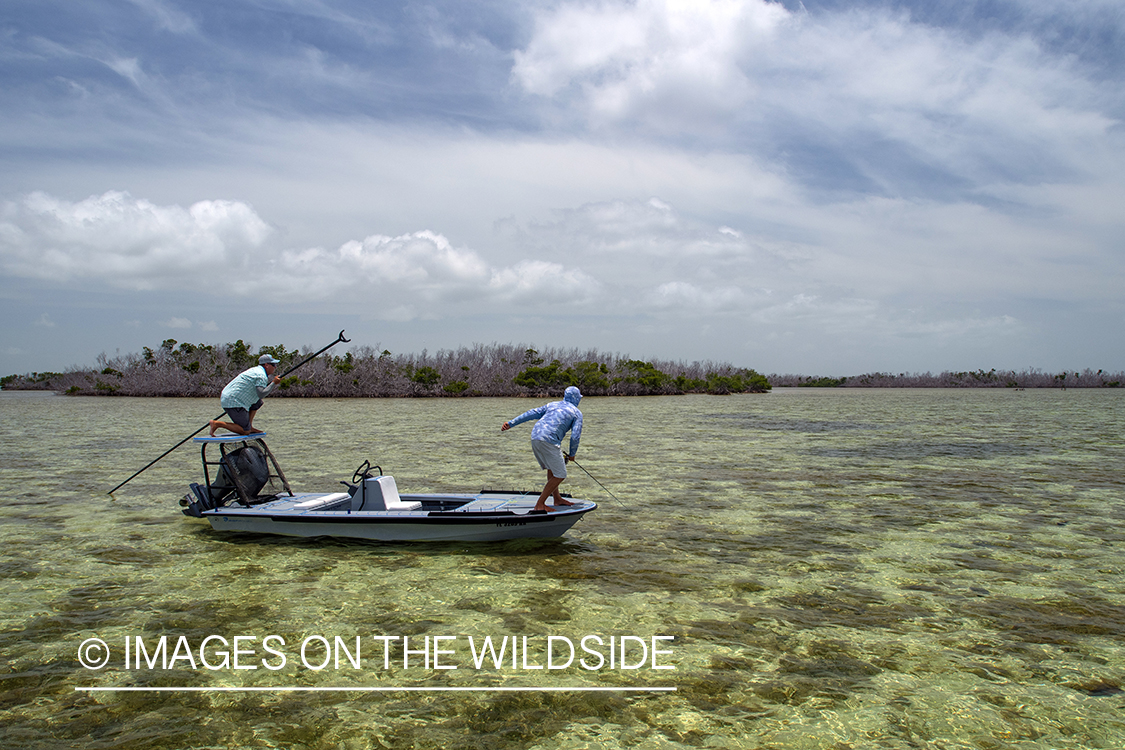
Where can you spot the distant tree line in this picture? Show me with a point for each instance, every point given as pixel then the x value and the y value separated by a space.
pixel 184 369
pixel 972 379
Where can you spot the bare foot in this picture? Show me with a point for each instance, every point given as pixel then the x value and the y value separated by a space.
pixel 214 426
pixel 561 503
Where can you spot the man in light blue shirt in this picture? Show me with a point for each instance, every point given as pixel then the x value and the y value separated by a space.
pixel 555 420
pixel 242 396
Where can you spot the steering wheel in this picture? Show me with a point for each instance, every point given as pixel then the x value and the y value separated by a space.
pixel 361 473
pixel 364 471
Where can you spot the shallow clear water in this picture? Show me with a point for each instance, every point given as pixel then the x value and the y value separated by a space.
pixel 839 568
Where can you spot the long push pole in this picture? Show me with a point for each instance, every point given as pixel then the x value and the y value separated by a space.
pixel 339 339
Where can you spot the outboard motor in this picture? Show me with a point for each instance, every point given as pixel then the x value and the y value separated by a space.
pixel 242 469
pixel 198 501
pixel 248 468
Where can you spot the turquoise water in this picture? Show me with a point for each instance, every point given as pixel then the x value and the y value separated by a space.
pixel 832 568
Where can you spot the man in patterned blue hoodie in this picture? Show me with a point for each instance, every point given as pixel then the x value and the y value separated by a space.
pixel 555 420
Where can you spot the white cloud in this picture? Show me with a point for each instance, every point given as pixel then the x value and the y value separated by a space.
pixel 128 68
pixel 117 241
pixel 123 241
pixel 381 272
pixel 893 100
pixel 804 308
pixel 692 299
pixel 44 321
pixel 545 281
pixel 643 231
pixel 678 58
pixel 421 274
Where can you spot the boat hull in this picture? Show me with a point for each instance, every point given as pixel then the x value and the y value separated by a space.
pixel 484 518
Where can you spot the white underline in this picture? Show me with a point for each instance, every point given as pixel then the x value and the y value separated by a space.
pixel 373 689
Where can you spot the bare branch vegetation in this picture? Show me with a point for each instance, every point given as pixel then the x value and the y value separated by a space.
pixel 184 369
pixel 974 379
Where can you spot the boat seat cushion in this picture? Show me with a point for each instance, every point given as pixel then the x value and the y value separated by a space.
pixel 320 502
pixel 381 493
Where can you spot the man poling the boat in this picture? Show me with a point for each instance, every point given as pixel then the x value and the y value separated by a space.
pixel 242 396
pixel 339 340
pixel 554 421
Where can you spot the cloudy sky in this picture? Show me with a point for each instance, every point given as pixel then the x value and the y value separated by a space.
pixel 826 187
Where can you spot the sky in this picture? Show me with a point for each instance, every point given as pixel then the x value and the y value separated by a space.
pixel 820 188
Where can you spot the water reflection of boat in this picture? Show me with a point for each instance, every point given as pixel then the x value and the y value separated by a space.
pixel 244 489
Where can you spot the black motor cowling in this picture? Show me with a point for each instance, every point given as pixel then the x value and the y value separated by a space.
pixel 248 469
pixel 245 468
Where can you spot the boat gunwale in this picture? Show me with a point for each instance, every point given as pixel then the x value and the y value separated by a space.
pixel 418 517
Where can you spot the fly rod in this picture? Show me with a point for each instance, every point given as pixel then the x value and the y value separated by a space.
pixel 580 466
pixel 339 339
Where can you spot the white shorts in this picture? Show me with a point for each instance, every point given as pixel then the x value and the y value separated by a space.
pixel 550 457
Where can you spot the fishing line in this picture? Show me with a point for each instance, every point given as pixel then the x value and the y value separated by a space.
pixel 580 466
